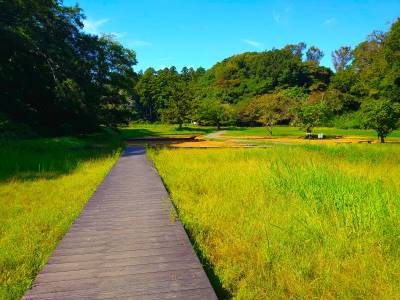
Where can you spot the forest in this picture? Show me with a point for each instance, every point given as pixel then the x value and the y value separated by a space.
pixel 107 171
pixel 56 79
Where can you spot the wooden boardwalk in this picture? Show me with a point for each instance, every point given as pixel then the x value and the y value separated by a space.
pixel 125 244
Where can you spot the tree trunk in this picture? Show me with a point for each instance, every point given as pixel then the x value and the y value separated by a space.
pixel 218 126
pixel 309 132
pixel 382 139
pixel 180 125
pixel 269 127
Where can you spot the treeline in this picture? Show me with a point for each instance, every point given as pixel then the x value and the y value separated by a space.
pixel 229 91
pixel 284 86
pixel 55 77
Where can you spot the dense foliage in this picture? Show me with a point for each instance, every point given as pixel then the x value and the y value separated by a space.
pixel 53 76
pixel 286 86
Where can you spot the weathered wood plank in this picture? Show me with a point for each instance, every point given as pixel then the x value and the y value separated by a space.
pixel 117 281
pixel 125 244
pixel 112 271
pixel 118 262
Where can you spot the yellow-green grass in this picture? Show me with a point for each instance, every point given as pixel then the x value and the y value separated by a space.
pixel 296 222
pixel 284 131
pixel 143 130
pixel 44 184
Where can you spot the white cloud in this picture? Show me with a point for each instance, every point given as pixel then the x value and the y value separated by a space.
pixel 276 16
pixel 93 26
pixel 329 21
pixel 252 43
pixel 118 35
pixel 138 43
pixel 282 15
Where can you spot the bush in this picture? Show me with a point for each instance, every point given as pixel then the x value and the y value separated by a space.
pixel 10 129
pixel 352 120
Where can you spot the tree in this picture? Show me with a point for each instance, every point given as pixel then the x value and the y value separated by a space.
pixel 370 65
pixel 274 108
pixel 243 76
pixel 341 58
pixel 114 85
pixel 56 78
pixel 213 112
pixel 309 115
pixel 179 104
pixel 148 90
pixel 314 54
pixel 392 43
pixel 382 115
pixel 391 82
pixel 296 49
pixel 344 81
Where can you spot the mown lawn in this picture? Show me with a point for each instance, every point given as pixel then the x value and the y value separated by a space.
pixel 143 130
pixel 292 221
pixel 285 131
pixel 44 184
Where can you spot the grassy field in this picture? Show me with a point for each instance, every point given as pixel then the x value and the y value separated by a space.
pixel 280 222
pixel 143 130
pixel 286 131
pixel 44 184
pixel 299 222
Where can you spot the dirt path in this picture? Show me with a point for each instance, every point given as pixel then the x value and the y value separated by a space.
pixel 215 135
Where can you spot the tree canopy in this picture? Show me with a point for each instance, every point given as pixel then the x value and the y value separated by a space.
pixel 54 76
pixel 57 79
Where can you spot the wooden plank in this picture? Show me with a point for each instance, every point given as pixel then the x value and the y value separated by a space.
pixel 118 262
pixel 125 244
pixel 117 281
pixel 147 287
pixel 112 255
pixel 116 270
pixel 150 233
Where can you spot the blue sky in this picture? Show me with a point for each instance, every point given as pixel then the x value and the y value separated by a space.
pixel 202 32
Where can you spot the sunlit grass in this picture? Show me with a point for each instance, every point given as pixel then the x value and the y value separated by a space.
pixel 292 221
pixel 44 184
pixel 283 131
pixel 144 130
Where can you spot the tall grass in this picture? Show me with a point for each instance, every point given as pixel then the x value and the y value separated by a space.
pixel 292 221
pixel 285 131
pixel 44 184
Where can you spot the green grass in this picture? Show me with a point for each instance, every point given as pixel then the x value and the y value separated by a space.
pixel 284 131
pixel 44 184
pixel 300 222
pixel 143 130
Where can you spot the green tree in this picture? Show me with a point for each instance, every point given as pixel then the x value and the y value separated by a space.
pixel 391 82
pixel 148 91
pixel 296 49
pixel 213 112
pixel 308 115
pixel 266 110
pixel 369 65
pixel 56 78
pixel 381 115
pixel 314 54
pixel 341 58
pixel 274 108
pixel 243 76
pixel 179 104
